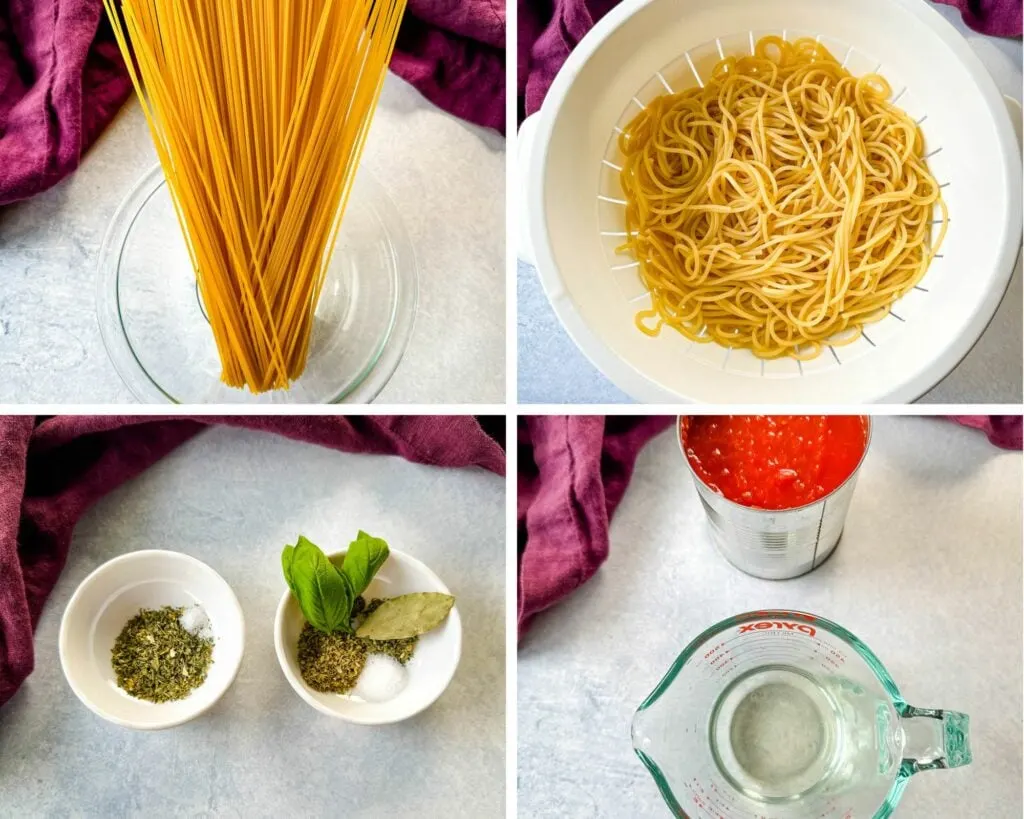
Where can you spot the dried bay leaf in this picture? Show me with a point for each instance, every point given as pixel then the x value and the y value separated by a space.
pixel 409 615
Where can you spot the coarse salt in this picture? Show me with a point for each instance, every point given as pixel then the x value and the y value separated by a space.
pixel 383 678
pixel 195 620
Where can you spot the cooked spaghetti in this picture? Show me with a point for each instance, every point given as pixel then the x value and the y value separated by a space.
pixel 259 110
pixel 783 206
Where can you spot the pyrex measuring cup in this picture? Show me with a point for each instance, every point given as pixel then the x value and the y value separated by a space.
pixel 784 715
pixel 775 544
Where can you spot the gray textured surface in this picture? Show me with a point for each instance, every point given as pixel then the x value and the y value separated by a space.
pixel 552 370
pixel 928 574
pixel 233 498
pixel 447 178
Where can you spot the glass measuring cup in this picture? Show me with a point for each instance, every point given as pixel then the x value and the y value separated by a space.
pixel 785 715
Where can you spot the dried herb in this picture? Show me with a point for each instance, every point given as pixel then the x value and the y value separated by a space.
pixel 156 659
pixel 332 663
pixel 400 650
pixel 407 615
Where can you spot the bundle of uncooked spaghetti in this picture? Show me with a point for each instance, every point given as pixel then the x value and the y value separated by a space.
pixel 259 110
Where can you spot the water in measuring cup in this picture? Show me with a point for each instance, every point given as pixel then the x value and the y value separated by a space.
pixel 779 733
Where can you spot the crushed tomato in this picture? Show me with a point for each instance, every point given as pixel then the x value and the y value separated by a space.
pixel 774 461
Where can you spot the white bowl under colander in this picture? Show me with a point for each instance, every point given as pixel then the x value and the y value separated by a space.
pixel 642 49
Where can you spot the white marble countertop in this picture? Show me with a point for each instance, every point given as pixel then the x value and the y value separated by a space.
pixel 446 177
pixel 233 498
pixel 553 371
pixel 928 574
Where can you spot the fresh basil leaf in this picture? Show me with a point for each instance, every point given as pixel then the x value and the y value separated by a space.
pixel 409 615
pixel 287 557
pixel 323 594
pixel 366 554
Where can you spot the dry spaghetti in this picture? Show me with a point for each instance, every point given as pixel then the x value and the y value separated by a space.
pixel 784 205
pixel 259 112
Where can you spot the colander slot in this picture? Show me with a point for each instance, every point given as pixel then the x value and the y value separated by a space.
pixel 742 362
pixel 858 63
pixel 780 368
pixel 881 333
pixel 848 353
pixel 912 305
pixel 693 68
pixel 629 285
pixel 664 82
pixel 823 363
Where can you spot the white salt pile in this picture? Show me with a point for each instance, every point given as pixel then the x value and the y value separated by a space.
pixel 195 620
pixel 383 678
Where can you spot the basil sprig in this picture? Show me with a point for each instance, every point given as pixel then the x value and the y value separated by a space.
pixel 326 590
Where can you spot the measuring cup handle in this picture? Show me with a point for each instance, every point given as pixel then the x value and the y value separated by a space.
pixel 934 739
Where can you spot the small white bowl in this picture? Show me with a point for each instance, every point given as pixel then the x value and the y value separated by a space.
pixel 113 594
pixel 429 671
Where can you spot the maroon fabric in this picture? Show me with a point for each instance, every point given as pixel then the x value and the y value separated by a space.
pixel 573 471
pixel 550 29
pixel 62 78
pixel 52 471
pixel 998 18
pixel 1005 431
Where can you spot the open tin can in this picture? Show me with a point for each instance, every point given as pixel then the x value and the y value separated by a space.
pixel 769 543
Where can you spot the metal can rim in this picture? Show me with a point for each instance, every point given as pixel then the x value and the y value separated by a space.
pixel 869 427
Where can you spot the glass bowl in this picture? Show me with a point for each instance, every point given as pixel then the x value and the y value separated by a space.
pixel 154 324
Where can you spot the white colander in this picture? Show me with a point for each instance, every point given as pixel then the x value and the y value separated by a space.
pixel 575 216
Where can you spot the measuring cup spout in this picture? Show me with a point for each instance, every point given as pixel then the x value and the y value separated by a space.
pixel 934 739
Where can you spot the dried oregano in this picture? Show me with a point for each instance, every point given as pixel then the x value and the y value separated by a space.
pixel 156 659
